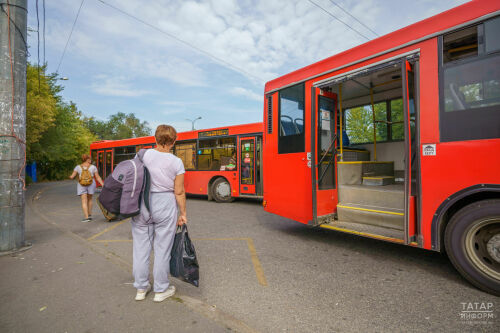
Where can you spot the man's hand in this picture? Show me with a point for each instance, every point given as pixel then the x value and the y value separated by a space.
pixel 181 220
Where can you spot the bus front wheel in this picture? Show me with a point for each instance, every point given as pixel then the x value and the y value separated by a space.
pixel 472 241
pixel 221 190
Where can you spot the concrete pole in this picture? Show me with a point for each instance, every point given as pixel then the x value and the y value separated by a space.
pixel 12 123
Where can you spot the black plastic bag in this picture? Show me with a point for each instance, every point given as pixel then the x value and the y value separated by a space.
pixel 183 262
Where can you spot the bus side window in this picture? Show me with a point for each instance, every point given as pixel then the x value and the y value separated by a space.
pixel 291 137
pixel 186 151
pixel 470 83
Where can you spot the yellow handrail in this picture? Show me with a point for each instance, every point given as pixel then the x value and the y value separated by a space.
pixel 374 127
pixel 341 133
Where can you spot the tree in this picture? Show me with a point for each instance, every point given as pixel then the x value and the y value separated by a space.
pixel 398 130
pixel 41 103
pixel 119 126
pixel 56 136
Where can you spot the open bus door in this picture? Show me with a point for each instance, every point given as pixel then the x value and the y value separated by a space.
pixel 108 163
pixel 100 163
pixel 104 163
pixel 411 150
pixel 247 165
pixel 324 149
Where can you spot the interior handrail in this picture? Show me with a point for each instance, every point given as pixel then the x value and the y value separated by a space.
pixel 389 122
pixel 328 150
pixel 334 153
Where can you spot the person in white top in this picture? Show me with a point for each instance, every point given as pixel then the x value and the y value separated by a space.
pixel 168 210
pixel 86 192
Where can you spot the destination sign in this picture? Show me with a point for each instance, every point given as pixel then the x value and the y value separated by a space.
pixel 218 132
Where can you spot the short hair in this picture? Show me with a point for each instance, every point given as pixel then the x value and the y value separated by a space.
pixel 165 135
pixel 85 157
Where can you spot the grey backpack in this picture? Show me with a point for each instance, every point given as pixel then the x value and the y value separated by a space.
pixel 126 189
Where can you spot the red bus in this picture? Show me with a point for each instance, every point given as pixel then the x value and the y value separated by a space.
pixel 223 163
pixel 397 139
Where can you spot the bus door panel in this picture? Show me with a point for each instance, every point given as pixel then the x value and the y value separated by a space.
pixel 325 154
pixel 100 163
pixel 108 163
pixel 258 166
pixel 412 153
pixel 247 165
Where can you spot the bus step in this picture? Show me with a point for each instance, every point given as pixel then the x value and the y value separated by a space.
pixel 378 180
pixel 373 215
pixel 382 196
pixel 366 230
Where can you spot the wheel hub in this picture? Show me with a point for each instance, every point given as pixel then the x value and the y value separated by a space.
pixel 223 190
pixel 493 247
pixel 482 244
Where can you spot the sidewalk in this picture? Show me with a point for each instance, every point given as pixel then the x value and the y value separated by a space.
pixel 63 284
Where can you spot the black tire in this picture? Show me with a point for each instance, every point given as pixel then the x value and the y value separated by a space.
pixel 472 243
pixel 221 190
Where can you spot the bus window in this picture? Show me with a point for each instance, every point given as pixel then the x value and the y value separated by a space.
pixel 93 156
pixel 247 162
pixel 359 122
pixel 291 126
pixel 214 153
pixel 123 154
pixel 460 44
pixel 186 151
pixel 397 127
pixel 470 82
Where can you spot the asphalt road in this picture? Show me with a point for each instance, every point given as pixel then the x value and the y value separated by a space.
pixel 276 275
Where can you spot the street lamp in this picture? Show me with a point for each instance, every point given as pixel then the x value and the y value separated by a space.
pixel 192 122
pixel 64 78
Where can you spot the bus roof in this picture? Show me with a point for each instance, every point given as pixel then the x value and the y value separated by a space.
pixel 189 135
pixel 427 28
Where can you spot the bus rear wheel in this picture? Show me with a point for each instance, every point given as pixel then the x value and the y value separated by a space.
pixel 472 241
pixel 221 190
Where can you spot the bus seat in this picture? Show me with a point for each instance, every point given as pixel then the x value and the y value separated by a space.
pixel 299 126
pixel 287 126
pixel 345 139
pixel 215 165
pixel 224 160
pixel 458 98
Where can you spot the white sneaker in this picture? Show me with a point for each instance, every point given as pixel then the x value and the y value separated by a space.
pixel 160 297
pixel 141 294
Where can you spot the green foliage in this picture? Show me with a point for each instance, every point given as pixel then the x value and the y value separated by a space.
pixel 41 103
pixel 398 130
pixel 56 133
pixel 119 126
pixel 359 122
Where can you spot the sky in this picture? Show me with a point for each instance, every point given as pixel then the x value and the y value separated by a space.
pixel 117 64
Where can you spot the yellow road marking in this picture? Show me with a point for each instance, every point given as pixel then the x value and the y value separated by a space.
pixel 220 239
pixel 371 210
pixel 111 240
pixel 207 310
pixel 107 229
pixel 259 272
pixel 256 263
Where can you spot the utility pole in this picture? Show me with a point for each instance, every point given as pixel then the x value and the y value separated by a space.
pixel 13 52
